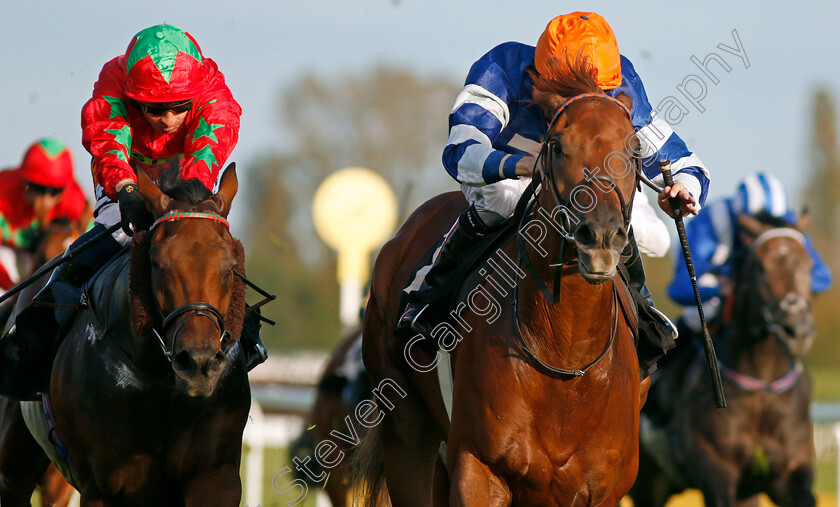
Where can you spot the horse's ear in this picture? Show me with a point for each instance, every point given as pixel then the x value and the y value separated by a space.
pixel 549 102
pixel 625 99
pixel 156 201
pixel 804 219
pixel 227 189
pixel 749 228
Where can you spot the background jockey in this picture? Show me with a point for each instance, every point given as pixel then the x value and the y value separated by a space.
pixel 41 190
pixel 716 248
pixel 160 107
pixel 495 132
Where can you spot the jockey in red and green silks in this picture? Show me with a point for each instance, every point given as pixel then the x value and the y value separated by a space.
pixel 40 190
pixel 160 105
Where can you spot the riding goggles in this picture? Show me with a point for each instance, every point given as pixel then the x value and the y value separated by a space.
pixel 160 108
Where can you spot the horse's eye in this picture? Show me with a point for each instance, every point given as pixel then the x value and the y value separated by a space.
pixel 556 149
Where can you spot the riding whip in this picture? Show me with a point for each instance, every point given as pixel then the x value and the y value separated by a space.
pixel 708 347
pixel 46 268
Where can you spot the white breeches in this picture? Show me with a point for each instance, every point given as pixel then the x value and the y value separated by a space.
pixel 497 201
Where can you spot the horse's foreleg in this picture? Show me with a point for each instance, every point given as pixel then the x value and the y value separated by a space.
pixel 652 487
pixel 219 487
pixel 22 461
pixel 473 484
pixel 749 502
pixel 410 442
pixel 719 480
pixel 795 489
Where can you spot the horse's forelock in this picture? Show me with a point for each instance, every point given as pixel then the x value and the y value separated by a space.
pixel 568 76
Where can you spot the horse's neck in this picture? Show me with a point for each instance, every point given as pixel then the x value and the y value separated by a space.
pixel 578 325
pixel 111 301
pixel 750 348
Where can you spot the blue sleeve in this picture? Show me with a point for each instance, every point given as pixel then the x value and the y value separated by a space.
pixel 659 140
pixel 820 273
pixel 481 112
pixel 702 241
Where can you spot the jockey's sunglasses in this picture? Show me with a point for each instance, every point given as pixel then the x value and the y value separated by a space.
pixel 42 190
pixel 160 108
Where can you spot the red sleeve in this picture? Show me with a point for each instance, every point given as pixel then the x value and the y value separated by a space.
pixel 72 205
pixel 6 282
pixel 213 133
pixel 106 132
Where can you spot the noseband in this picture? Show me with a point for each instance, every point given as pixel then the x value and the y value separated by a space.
pixel 180 315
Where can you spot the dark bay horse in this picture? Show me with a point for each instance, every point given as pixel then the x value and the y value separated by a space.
pixel 762 443
pixel 521 432
pixel 52 241
pixel 149 389
pixel 327 415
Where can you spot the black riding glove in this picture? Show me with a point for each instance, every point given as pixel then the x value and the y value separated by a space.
pixel 133 209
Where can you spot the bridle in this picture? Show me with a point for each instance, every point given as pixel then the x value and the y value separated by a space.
pixel 179 316
pixel 526 208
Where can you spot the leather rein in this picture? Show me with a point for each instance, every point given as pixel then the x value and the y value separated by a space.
pixel 526 209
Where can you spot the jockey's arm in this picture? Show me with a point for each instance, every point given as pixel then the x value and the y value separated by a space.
pixel 106 132
pixel 212 133
pixel 705 248
pixel 659 141
pixel 482 110
pixel 821 278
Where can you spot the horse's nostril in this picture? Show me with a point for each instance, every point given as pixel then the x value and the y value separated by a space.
pixel 584 235
pixel 618 238
pixel 184 362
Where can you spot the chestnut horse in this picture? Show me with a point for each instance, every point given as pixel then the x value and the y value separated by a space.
pixel 546 396
pixel 763 443
pixel 149 390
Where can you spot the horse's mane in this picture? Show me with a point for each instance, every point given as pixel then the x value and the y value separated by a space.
pixel 766 218
pixel 192 190
pixel 568 76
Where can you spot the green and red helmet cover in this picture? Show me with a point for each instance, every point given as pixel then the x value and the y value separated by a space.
pixel 48 163
pixel 164 64
pixel 118 136
pixel 18 222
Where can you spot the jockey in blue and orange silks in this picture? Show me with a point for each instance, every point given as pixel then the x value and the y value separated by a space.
pixel 495 133
pixel 717 249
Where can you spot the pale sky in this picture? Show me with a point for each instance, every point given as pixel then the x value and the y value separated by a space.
pixel 756 118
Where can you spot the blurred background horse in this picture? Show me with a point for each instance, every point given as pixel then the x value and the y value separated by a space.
pixel 762 443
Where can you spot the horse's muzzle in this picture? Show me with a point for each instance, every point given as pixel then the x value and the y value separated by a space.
pixel 198 370
pixel 599 246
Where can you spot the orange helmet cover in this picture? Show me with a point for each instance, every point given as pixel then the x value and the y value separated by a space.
pixel 581 31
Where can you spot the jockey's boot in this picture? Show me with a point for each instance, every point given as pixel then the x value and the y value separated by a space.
pixel 656 331
pixel 636 270
pixel 252 344
pixel 417 317
pixel 54 302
